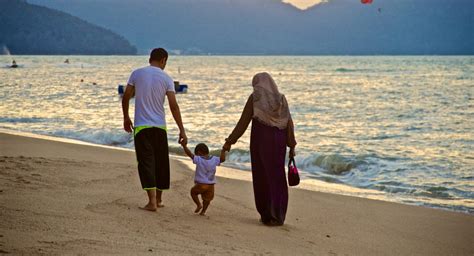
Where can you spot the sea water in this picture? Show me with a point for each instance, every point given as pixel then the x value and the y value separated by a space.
pixel 401 126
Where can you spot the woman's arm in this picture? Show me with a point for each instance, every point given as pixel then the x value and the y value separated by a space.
pixel 222 156
pixel 291 141
pixel 242 125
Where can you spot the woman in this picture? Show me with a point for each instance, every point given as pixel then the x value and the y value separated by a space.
pixel 272 131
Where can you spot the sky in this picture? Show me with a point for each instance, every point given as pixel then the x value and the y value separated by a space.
pixel 303 4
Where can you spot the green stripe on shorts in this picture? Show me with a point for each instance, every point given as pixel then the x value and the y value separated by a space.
pixel 137 129
pixel 154 188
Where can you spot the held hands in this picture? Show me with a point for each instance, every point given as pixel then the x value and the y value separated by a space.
pixel 183 139
pixel 226 146
pixel 127 124
pixel 222 156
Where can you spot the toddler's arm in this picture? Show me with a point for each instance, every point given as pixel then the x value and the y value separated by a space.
pixel 222 156
pixel 187 151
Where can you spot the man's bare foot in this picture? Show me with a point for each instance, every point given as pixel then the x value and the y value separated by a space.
pixel 202 213
pixel 198 209
pixel 149 207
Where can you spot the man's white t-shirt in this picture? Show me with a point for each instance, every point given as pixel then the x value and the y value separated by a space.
pixel 206 169
pixel 151 84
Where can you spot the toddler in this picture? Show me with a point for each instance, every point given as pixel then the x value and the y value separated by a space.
pixel 205 176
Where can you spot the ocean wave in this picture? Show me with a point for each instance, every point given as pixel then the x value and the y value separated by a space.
pixel 334 164
pixel 345 70
pixel 23 120
pixel 330 164
pixel 348 70
pixel 399 189
pixel 109 138
pixel 389 136
pixel 385 137
pixel 424 191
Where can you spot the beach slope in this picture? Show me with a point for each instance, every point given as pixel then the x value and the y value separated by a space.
pixel 63 198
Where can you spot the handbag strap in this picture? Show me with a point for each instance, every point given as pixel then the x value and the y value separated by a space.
pixel 291 161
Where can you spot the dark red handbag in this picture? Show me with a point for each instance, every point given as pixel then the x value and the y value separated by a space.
pixel 293 175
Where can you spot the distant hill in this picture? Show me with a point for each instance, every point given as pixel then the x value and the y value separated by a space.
pixel 271 27
pixel 32 29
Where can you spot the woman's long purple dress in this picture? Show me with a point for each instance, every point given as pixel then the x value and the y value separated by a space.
pixel 267 151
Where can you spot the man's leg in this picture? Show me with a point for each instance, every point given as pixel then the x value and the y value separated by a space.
pixel 146 167
pixel 162 167
pixel 151 206
pixel 158 198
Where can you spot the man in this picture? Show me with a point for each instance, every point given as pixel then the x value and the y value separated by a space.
pixel 150 85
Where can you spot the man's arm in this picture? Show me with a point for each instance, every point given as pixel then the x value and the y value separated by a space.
pixel 177 117
pixel 127 95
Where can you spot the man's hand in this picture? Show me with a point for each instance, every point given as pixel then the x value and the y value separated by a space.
pixel 127 124
pixel 183 139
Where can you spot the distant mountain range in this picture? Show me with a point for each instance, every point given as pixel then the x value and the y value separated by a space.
pixel 31 29
pixel 336 27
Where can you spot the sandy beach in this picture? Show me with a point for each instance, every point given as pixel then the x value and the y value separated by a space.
pixel 61 198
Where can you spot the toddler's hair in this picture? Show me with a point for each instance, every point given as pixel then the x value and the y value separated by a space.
pixel 201 147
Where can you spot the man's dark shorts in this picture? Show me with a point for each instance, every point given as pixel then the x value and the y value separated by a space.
pixel 151 147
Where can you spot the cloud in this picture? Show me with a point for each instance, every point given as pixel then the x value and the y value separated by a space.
pixel 303 4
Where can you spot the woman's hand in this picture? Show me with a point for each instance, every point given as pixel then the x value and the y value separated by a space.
pixel 226 146
pixel 292 153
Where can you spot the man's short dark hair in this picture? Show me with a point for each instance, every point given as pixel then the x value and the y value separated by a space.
pixel 158 54
pixel 201 147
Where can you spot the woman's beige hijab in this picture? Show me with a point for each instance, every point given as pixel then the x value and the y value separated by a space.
pixel 269 105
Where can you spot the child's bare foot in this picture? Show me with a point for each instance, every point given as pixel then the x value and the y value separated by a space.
pixel 202 213
pixel 198 208
pixel 149 207
pixel 159 204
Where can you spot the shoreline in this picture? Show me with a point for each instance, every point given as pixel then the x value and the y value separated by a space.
pixel 315 185
pixel 63 198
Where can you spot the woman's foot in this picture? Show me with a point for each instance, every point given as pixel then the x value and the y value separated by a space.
pixel 273 223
